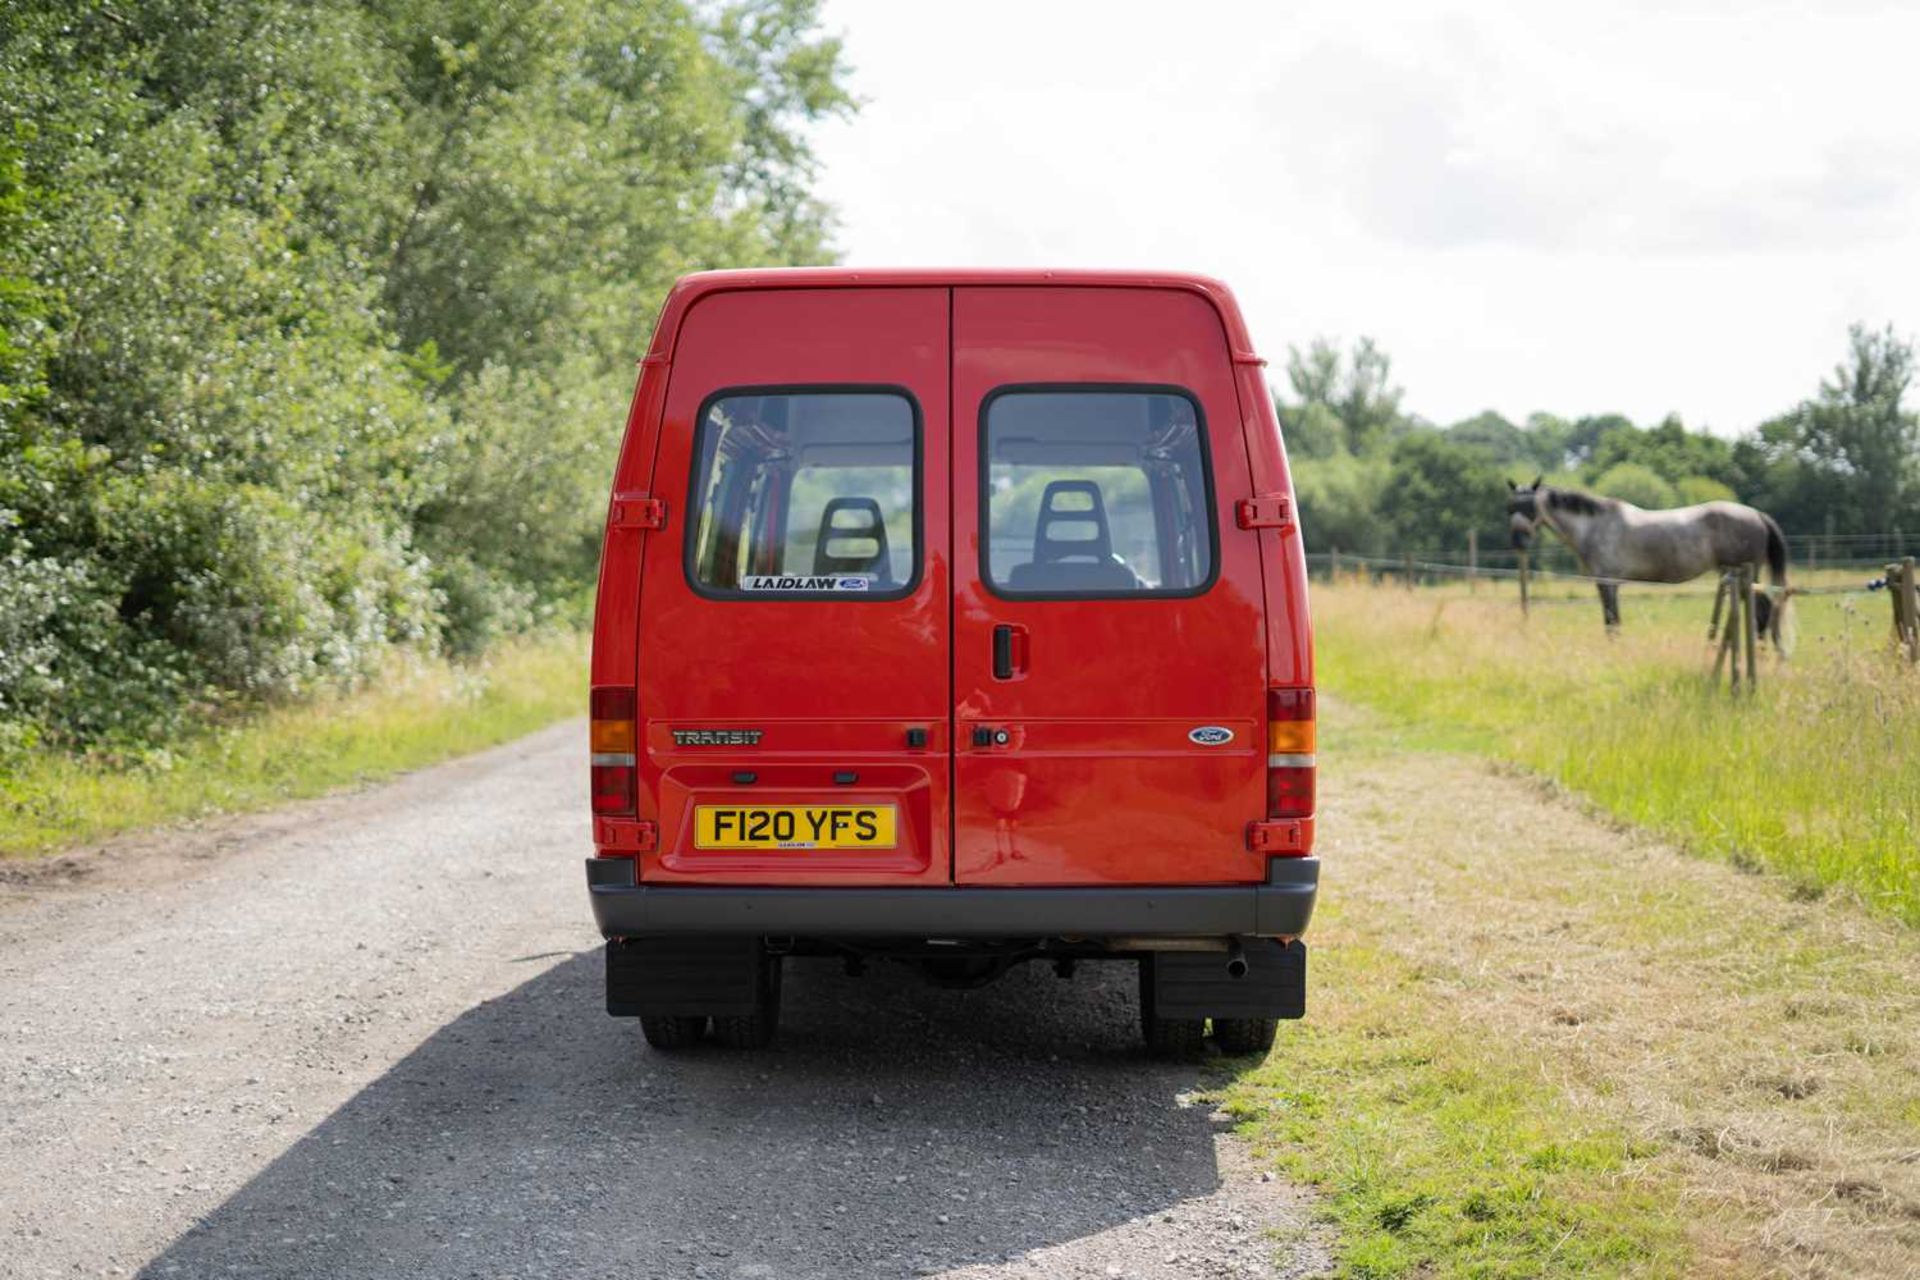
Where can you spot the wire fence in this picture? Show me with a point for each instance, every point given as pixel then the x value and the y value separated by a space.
pixel 1805 551
pixel 1412 570
pixel 1898 576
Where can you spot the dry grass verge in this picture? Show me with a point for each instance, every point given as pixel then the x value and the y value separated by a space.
pixel 421 713
pixel 1545 1045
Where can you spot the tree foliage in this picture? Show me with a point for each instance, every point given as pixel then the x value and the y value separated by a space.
pixel 1370 478
pixel 1851 453
pixel 1345 403
pixel 316 321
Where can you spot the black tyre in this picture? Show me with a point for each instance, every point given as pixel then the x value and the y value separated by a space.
pixel 754 1030
pixel 1238 1036
pixel 1176 1038
pixel 668 1032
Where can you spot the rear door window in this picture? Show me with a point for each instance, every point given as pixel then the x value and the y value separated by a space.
pixel 1096 492
pixel 806 493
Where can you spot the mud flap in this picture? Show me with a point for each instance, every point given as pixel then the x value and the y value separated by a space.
pixel 1196 984
pixel 655 977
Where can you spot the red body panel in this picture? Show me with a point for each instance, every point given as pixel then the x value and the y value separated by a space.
pixel 833 685
pixel 1098 781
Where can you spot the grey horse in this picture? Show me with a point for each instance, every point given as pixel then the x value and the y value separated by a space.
pixel 1619 542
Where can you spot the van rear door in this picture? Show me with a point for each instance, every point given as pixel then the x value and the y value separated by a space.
pixel 1109 641
pixel 794 659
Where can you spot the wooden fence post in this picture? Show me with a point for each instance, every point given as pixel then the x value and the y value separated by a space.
pixel 1406 564
pixel 1746 623
pixel 1894 593
pixel 1909 593
pixel 1473 560
pixel 1333 573
pixel 1523 582
pixel 1913 610
pixel 1897 592
pixel 1728 642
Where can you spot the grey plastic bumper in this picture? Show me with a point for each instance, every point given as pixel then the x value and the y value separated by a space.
pixel 1281 906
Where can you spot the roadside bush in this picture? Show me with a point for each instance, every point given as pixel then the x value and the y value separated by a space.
pixel 31 593
pixel 316 323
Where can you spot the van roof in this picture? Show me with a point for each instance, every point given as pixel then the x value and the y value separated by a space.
pixel 690 289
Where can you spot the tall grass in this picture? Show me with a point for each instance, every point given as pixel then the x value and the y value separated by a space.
pixel 422 712
pixel 1816 776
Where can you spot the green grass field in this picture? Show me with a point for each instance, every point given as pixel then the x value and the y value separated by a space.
pixel 1815 777
pixel 1539 1043
pixel 419 714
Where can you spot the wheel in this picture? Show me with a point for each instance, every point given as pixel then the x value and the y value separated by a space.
pixel 1175 1038
pixel 668 1032
pixel 754 1030
pixel 1239 1036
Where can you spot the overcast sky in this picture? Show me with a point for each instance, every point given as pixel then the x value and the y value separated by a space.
pixel 1631 207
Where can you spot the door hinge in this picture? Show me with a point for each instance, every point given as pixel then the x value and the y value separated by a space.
pixel 1277 837
pixel 625 835
pixel 1271 511
pixel 638 511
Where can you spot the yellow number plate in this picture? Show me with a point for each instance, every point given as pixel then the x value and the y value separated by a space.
pixel 794 826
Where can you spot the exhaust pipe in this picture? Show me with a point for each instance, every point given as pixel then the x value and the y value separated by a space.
pixel 1236 959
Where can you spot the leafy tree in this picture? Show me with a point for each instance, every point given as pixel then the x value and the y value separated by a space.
pixel 1697 489
pixel 1851 454
pixel 1548 437
pixel 1639 484
pixel 1493 436
pixel 24 307
pixel 1584 436
pixel 1669 450
pixel 1356 390
pixel 1437 491
pixel 316 321
pixel 1339 499
pixel 1313 431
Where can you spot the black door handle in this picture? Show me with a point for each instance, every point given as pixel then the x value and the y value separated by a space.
pixel 1003 652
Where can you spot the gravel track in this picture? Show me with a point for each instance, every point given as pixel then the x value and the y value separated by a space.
pixel 362 1037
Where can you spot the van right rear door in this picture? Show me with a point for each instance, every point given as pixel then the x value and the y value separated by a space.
pixel 1109 628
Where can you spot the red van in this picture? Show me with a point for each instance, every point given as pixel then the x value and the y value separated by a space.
pixel 956 618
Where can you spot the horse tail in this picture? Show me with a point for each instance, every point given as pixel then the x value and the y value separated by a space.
pixel 1777 570
pixel 1776 551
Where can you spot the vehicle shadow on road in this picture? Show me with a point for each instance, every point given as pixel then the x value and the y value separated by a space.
pixel 895 1129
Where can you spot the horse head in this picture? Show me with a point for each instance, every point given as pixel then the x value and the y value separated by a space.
pixel 1523 512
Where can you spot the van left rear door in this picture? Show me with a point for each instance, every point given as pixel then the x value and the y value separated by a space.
pixel 794 659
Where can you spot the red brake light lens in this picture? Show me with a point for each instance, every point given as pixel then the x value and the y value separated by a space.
pixel 1290 792
pixel 614 741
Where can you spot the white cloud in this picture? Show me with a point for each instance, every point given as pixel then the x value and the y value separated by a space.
pixel 1447 136
pixel 1640 207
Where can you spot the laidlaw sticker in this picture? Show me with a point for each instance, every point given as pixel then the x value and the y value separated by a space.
pixel 815 582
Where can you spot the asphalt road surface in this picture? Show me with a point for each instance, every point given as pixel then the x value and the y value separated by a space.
pixel 363 1038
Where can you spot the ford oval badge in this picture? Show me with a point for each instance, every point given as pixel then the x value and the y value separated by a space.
pixel 1211 735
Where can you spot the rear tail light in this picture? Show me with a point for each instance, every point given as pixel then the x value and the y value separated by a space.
pixel 1290 763
pixel 613 736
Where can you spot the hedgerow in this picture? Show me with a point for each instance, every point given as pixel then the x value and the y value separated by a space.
pixel 316 321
